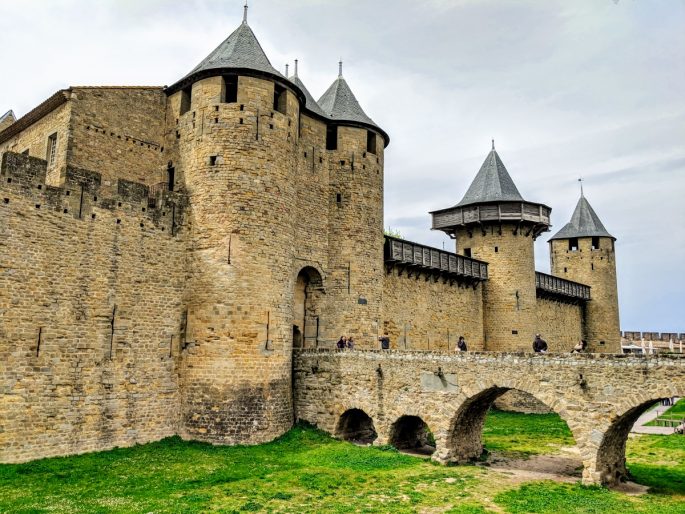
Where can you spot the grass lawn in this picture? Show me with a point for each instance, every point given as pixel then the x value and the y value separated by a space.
pixel 307 471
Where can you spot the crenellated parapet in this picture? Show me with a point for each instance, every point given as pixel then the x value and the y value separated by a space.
pixel 83 197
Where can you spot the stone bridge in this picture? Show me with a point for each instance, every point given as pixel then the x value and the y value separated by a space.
pixel 395 396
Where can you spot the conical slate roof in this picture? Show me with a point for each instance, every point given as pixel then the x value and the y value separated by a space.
pixel 339 103
pixel 240 50
pixel 584 223
pixel 310 103
pixel 492 184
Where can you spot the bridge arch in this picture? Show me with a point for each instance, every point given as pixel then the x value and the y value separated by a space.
pixel 463 440
pixel 410 432
pixel 357 426
pixel 609 465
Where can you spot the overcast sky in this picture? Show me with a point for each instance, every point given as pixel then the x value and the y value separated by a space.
pixel 592 88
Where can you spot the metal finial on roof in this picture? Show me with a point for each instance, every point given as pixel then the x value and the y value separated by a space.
pixel 286 70
pixel 340 68
pixel 245 12
pixel 580 179
pixel 296 67
pixel 493 144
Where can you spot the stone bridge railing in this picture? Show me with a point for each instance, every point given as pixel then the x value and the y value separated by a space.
pixel 598 395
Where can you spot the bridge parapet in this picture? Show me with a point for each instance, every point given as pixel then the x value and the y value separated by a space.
pixel 598 395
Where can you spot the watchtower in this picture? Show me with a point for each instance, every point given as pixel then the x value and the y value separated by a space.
pixel 495 224
pixel 584 251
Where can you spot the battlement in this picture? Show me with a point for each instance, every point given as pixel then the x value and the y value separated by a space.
pixel 653 336
pixel 83 197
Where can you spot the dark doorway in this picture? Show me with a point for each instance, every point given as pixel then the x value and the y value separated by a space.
pixel 355 425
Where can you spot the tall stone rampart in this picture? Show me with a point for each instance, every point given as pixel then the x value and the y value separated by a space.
pixel 91 313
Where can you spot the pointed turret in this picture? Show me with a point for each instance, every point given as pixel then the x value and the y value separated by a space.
pixel 340 104
pixel 240 52
pixel 310 103
pixel 493 197
pixel 492 183
pixel 584 251
pixel 584 223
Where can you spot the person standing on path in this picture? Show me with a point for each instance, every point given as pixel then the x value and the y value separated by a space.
pixel 539 344
pixel 461 344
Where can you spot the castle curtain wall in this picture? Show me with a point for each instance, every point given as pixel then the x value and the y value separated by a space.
pixel 119 131
pixel 90 315
pixel 428 311
pixel 559 323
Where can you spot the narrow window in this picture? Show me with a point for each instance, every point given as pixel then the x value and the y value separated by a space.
pixel 212 160
pixel 592 266
pixel 496 249
pixel 370 142
pixel 279 99
pixel 231 89
pixel 170 172
pixel 331 137
pixel 338 198
pixel 565 270
pixel 595 243
pixel 52 149
pixel 186 99
pixel 573 244
pixel 467 252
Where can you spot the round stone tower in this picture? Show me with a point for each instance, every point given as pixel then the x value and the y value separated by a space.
pixel 495 224
pixel 355 145
pixel 236 129
pixel 583 251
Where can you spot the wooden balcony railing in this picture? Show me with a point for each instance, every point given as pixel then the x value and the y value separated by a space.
pixel 425 258
pixel 555 286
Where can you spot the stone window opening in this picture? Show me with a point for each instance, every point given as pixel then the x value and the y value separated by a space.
pixel 370 142
pixel 592 266
pixel 52 149
pixel 356 426
pixel 467 252
pixel 331 137
pixel 595 243
pixel 573 244
pixel 230 83
pixel 338 197
pixel 496 249
pixel 212 160
pixel 186 99
pixel 280 99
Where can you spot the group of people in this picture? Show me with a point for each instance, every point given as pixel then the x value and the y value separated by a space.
pixel 345 343
pixel 539 344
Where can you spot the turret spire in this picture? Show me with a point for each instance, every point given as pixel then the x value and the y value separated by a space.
pixel 580 180
pixel 286 70
pixel 340 68
pixel 493 144
pixel 295 75
pixel 245 13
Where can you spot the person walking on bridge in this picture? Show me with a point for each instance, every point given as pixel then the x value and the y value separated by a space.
pixel 461 344
pixel 539 344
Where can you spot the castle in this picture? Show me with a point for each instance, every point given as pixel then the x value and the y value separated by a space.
pixel 164 249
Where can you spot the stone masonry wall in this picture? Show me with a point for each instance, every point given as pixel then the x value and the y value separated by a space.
pixel 598 395
pixel 509 297
pixel 35 139
pixel 119 131
pixel 91 292
pixel 431 311
pixel 559 323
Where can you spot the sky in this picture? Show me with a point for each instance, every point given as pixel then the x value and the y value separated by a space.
pixel 589 88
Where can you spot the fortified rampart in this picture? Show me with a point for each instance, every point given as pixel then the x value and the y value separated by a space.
pixel 91 313
pixel 233 218
pixel 598 395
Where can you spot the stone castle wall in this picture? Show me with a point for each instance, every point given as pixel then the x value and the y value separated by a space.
pixel 34 139
pixel 90 313
pixel 559 323
pixel 430 312
pixel 119 131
